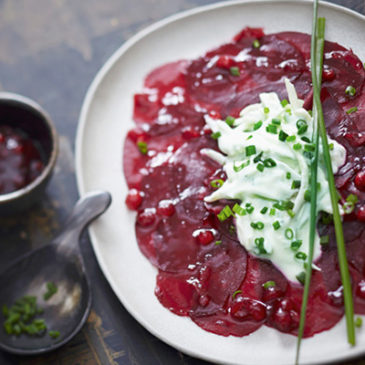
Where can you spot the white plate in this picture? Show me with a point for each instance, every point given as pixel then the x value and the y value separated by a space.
pixel 104 121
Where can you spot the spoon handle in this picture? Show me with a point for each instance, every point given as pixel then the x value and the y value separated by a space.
pixel 86 210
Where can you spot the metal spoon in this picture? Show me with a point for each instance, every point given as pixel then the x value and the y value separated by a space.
pixel 59 262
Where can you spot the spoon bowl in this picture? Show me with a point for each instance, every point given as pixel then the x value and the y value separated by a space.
pixel 59 262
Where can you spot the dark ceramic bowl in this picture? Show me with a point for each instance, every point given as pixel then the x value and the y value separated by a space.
pixel 27 117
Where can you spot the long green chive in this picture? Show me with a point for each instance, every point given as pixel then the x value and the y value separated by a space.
pixel 317 46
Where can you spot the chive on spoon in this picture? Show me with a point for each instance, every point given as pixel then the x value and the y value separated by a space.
pixel 60 263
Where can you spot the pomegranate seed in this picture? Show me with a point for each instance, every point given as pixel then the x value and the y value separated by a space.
pixel 189 133
pixel 360 290
pixel 204 300
pixel 361 214
pixel 328 74
pixel 205 237
pixel 360 180
pixel 134 199
pixel 146 217
pixel 225 62
pixel 166 208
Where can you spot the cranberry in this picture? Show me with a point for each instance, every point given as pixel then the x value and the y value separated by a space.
pixel 205 237
pixel 134 199
pixel 361 214
pixel 360 180
pixel 328 74
pixel 225 61
pixel 360 289
pixel 146 217
pixel 166 208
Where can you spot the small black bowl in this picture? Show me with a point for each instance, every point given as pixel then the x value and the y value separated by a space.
pixel 29 119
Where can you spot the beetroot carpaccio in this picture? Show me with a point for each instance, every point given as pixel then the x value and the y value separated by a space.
pixel 203 271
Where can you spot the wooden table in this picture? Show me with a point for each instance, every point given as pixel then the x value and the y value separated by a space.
pixel 50 51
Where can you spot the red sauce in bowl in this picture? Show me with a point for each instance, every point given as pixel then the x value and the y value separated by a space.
pixel 20 160
pixel 203 271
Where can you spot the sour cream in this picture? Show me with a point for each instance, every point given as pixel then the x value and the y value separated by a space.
pixel 266 155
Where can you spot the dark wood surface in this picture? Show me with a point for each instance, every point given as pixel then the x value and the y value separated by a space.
pixel 50 51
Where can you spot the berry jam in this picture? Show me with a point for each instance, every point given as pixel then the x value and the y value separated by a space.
pixel 203 271
pixel 20 160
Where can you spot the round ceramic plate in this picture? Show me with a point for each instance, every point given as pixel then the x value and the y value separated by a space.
pixel 106 117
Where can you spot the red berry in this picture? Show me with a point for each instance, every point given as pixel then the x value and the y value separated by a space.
pixel 146 217
pixel 134 199
pixel 166 208
pixel 361 214
pixel 225 61
pixel 328 74
pixel 360 180
pixel 205 237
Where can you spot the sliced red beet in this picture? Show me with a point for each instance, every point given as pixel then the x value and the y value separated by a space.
pixel 204 272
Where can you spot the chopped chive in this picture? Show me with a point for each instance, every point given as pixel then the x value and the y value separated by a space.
pixel 291 213
pixel 217 183
pixel 258 157
pixel 276 121
pixel 51 290
pixel 272 129
pixel 272 211
pixel 269 162
pixel 249 137
pixel 260 167
pixel 269 284
pixel 289 234
pixel 218 242
pixel 250 150
pixel 295 245
pixel 297 146
pixel 215 135
pixel 291 138
pixel 256 43
pixel 358 322
pixel 240 167
pixel 276 225
pixel 326 218
pixel 308 154
pixel 257 225
pixel 301 255
pixel 264 210
pixel 234 71
pixel 350 90
pixel 266 110
pixel 282 136
pixel 239 210
pixel 54 334
pixel 324 240
pixel 250 209
pixel 302 126
pixel 301 277
pixel 257 125
pixel 259 243
pixel 305 139
pixel 284 103
pixel 351 110
pixel 288 175
pixel 309 147
pixel 230 120
pixel 296 184
pixel 331 146
pixel 225 213
pixel 307 195
pixel 142 146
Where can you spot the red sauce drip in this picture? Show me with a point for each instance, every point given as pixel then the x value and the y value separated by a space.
pixel 20 161
pixel 199 273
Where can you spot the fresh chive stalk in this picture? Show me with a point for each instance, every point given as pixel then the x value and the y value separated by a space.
pixel 317 46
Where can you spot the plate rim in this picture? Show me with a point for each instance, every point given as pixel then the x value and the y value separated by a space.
pixel 82 122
